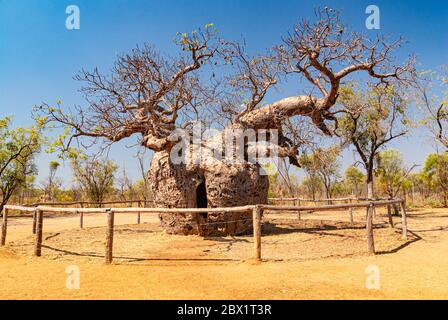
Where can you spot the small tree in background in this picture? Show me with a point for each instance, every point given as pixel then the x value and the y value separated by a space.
pixel 323 163
pixel 95 177
pixel 435 172
pixel 18 150
pixel 312 184
pixel 354 179
pixel 435 107
pixel 371 119
pixel 392 174
pixel 51 184
pixel 327 166
pixel 126 188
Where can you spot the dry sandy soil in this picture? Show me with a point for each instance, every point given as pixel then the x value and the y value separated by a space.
pixel 321 256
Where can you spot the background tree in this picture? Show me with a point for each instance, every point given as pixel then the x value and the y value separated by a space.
pixel 419 186
pixel 392 174
pixel 18 150
pixel 435 172
pixel 369 121
pixel 322 163
pixel 94 177
pixel 435 112
pixel 26 191
pixel 142 186
pixel 51 183
pixel 312 182
pixel 327 166
pixel 354 179
pixel 125 185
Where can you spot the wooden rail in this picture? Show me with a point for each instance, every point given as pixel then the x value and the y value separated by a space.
pixel 255 210
pixel 299 200
pixel 140 201
pixel 83 203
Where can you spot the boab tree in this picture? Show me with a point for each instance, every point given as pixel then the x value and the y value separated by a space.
pixel 150 95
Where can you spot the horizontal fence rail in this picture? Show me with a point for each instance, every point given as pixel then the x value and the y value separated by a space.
pixel 38 211
pixel 142 201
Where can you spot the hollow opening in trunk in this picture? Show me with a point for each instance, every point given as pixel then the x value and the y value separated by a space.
pixel 201 198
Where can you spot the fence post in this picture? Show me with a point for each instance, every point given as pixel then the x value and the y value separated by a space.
pixel 369 227
pixel 34 221
pixel 4 227
pixel 404 221
pixel 257 232
pixel 350 213
pixel 138 213
pixel 296 203
pixel 39 226
pixel 389 215
pixel 81 219
pixel 109 236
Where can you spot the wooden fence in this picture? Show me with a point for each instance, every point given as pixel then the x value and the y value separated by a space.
pixel 255 210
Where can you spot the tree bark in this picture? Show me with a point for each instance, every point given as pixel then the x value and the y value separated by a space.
pixel 370 191
pixel 272 115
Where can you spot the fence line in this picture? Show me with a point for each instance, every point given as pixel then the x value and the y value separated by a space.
pixel 329 200
pixel 255 210
pixel 140 201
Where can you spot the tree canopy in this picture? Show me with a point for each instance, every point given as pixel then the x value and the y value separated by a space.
pixel 18 149
pixel 214 80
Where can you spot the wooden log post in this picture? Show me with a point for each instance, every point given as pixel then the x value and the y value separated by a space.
pixel 34 221
pixel 389 215
pixel 404 221
pixel 139 213
pixel 299 216
pixel 257 232
pixel 4 227
pixel 109 236
pixel 350 214
pixel 39 229
pixel 369 229
pixel 81 219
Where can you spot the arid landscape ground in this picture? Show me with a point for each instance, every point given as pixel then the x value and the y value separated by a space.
pixel 321 256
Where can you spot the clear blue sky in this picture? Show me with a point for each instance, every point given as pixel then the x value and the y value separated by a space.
pixel 39 56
